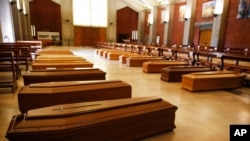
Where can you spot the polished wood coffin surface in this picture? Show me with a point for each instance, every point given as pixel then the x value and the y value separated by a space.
pixel 72 64
pixel 58 60
pixel 111 120
pixel 58 56
pixel 53 93
pixel 56 51
pixel 174 73
pixel 156 66
pixel 137 61
pixel 123 57
pixel 212 80
pixel 74 74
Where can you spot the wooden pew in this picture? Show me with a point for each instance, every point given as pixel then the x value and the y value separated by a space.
pixel 7 63
pixel 215 80
pixel 26 53
pixel 25 58
pixel 183 53
pixel 239 51
pixel 157 66
pixel 236 58
pixel 35 44
pixel 208 58
pixel 110 120
pixel 54 75
pixel 17 53
pixel 174 73
pixel 53 93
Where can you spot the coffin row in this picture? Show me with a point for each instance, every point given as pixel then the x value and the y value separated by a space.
pixel 111 120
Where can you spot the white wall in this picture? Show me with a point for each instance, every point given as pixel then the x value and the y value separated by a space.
pixel 7 27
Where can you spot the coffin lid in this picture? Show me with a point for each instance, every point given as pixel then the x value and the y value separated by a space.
pixel 70 83
pixel 66 110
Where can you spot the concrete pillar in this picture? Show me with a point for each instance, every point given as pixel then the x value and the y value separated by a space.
pixel 140 26
pixel 219 27
pixel 152 30
pixel 189 23
pixel 169 25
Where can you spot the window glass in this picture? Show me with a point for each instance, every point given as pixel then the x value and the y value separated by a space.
pixel 90 13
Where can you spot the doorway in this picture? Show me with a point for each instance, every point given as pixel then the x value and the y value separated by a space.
pixel 205 37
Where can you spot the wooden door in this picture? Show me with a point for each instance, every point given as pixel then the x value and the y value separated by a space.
pixel 88 36
pixel 78 36
pixel 205 37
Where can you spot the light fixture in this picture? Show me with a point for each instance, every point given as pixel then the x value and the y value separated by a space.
pixel 12 1
pixel 187 14
pixel 19 5
pixel 165 16
pixel 33 30
pixel 25 11
pixel 150 19
pixel 218 7
pixel 162 2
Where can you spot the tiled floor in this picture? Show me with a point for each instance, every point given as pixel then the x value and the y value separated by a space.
pixel 201 116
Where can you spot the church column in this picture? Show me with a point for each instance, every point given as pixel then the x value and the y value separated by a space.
pixel 188 27
pixel 152 28
pixel 140 27
pixel 219 27
pixel 169 24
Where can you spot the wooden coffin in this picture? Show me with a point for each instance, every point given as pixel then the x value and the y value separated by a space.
pixel 72 64
pixel 212 80
pixel 56 51
pixel 174 73
pixel 156 66
pixel 101 51
pixel 114 55
pixel 123 57
pixel 58 60
pixel 136 61
pixel 111 120
pixel 47 94
pixel 97 51
pixel 54 75
pixel 52 57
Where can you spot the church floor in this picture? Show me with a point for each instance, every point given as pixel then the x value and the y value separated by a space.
pixel 201 116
